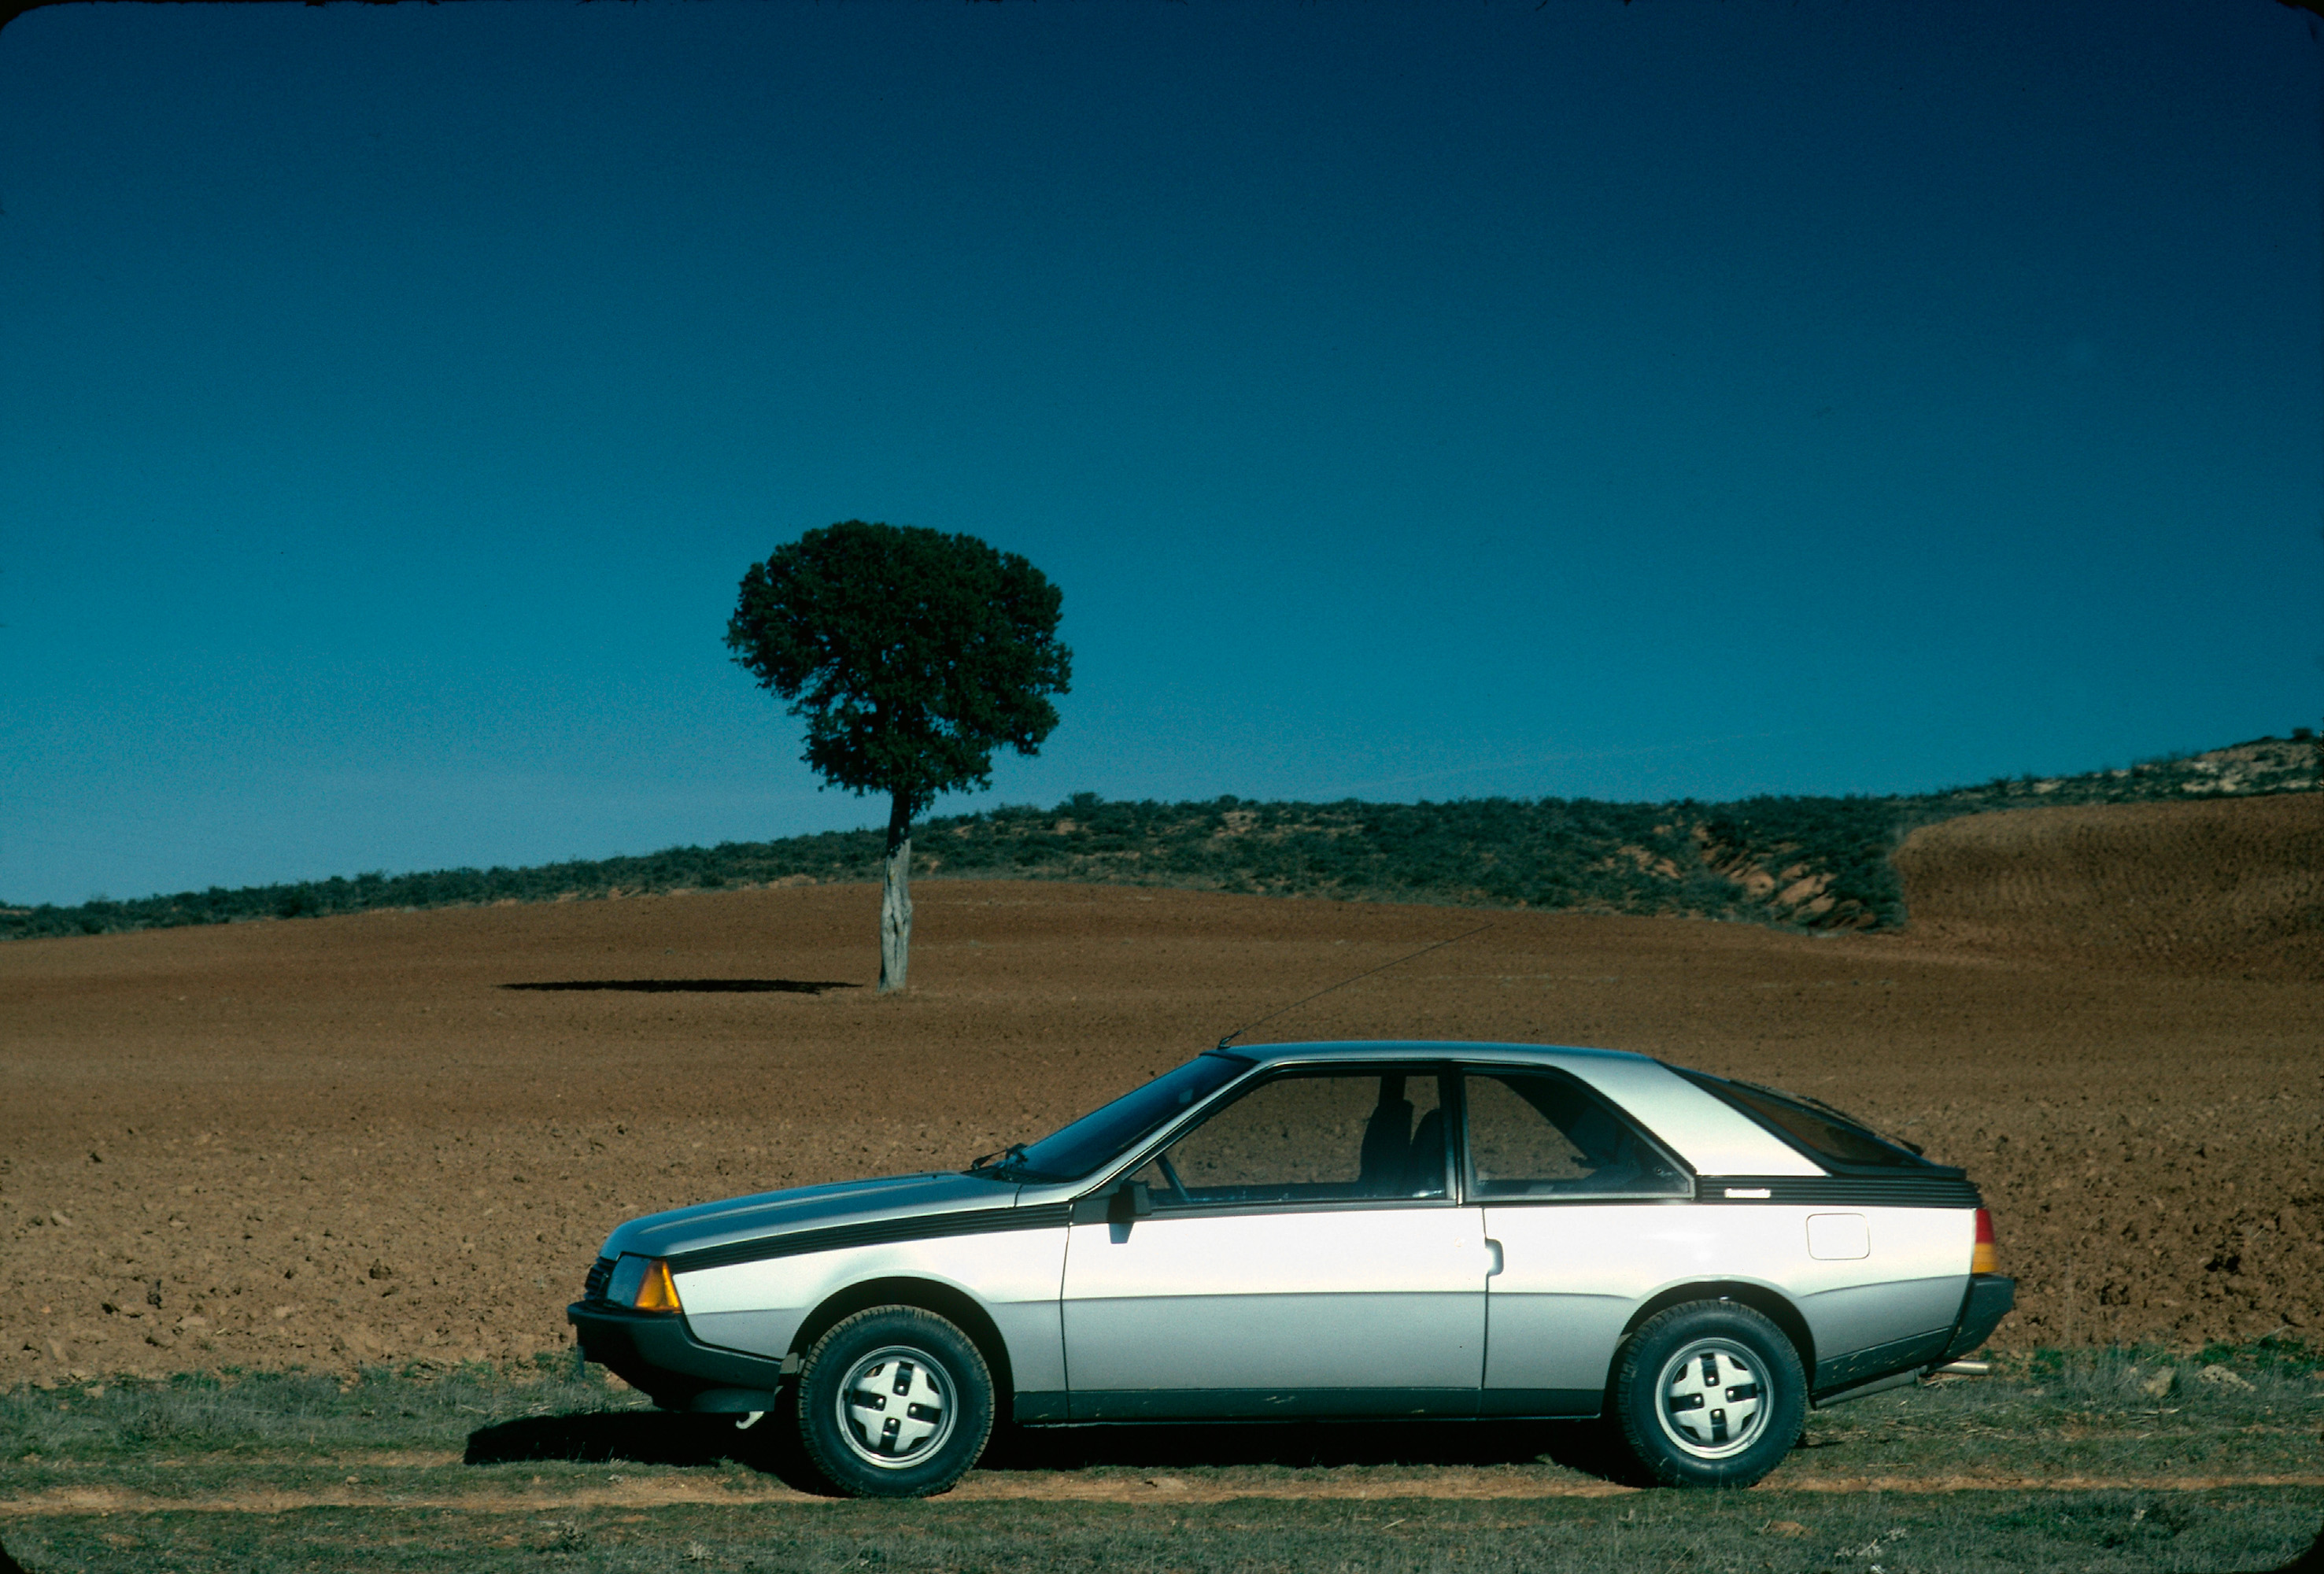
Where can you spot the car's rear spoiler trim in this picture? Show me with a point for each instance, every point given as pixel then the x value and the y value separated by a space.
pixel 1898 1191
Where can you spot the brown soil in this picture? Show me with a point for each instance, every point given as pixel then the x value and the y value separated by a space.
pixel 328 1141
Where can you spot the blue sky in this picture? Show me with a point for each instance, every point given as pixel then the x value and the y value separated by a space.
pixel 1413 400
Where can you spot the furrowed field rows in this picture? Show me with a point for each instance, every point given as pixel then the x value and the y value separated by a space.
pixel 375 1140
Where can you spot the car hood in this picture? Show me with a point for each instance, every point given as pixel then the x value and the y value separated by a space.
pixel 774 1213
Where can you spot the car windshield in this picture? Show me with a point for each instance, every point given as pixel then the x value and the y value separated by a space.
pixel 1069 1154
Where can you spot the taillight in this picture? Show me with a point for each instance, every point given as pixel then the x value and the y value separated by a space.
pixel 1982 1259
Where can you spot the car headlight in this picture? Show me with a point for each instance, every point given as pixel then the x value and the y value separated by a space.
pixel 643 1285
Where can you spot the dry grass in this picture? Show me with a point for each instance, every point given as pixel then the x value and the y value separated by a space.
pixel 2221 886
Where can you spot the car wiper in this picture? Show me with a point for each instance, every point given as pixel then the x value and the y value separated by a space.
pixel 1008 1165
pixel 998 1162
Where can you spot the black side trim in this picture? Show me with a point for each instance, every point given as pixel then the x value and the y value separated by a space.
pixel 1586 1200
pixel 1865 1390
pixel 1901 1190
pixel 876 1232
pixel 1879 1361
pixel 1989 1298
pixel 1271 1403
pixel 1543 1404
pixel 1038 1406
pixel 1165 1209
pixel 657 1352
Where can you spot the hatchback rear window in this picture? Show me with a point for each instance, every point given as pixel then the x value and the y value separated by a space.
pixel 1824 1133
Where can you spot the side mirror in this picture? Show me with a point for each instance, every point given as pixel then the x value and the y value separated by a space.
pixel 1126 1202
pixel 1132 1201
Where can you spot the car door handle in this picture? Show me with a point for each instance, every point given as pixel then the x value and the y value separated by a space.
pixel 1493 1250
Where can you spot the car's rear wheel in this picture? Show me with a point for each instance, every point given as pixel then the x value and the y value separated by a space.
pixel 1709 1393
pixel 894 1401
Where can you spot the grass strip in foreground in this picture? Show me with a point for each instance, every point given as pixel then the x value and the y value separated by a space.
pixel 2086 1459
pixel 1772 1531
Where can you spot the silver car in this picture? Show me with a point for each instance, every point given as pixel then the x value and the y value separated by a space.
pixel 1328 1231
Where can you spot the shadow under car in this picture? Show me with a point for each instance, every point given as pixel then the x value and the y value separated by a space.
pixel 656 1437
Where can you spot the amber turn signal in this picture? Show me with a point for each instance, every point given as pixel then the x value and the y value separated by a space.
pixel 643 1285
pixel 657 1292
pixel 1982 1259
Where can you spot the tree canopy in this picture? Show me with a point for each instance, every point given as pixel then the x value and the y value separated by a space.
pixel 911 654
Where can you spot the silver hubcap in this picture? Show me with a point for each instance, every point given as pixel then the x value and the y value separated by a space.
pixel 1714 1398
pixel 896 1407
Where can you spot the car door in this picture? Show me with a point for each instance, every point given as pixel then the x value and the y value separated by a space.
pixel 1306 1256
pixel 1576 1198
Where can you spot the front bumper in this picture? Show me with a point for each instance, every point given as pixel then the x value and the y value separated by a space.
pixel 657 1352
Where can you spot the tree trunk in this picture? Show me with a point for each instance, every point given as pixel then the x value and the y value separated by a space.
pixel 896 899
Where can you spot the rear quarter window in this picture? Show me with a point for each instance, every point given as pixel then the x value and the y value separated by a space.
pixel 1824 1135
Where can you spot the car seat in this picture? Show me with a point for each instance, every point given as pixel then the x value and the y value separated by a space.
pixel 1386 1153
pixel 1424 1174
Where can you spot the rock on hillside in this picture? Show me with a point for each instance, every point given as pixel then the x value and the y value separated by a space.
pixel 2262 766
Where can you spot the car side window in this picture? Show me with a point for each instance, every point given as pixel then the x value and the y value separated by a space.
pixel 1311 1136
pixel 1538 1135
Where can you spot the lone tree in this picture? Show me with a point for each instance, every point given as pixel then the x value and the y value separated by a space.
pixel 912 654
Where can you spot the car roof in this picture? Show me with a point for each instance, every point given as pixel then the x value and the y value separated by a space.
pixel 1427 1049
pixel 1708 1133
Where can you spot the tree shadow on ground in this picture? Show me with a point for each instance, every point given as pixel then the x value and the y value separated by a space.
pixel 695 986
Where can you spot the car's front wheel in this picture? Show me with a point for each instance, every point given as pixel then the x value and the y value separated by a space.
pixel 1709 1393
pixel 894 1401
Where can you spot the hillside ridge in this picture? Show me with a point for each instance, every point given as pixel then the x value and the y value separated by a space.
pixel 1810 862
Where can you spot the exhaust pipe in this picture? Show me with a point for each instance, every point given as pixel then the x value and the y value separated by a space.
pixel 1964 1369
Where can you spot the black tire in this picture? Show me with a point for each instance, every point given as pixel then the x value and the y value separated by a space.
pixel 1680 1381
pixel 894 1401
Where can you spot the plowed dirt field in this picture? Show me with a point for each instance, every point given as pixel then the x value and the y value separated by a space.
pixel 330 1142
pixel 2224 887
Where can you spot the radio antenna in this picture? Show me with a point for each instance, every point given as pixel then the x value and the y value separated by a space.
pixel 1343 983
